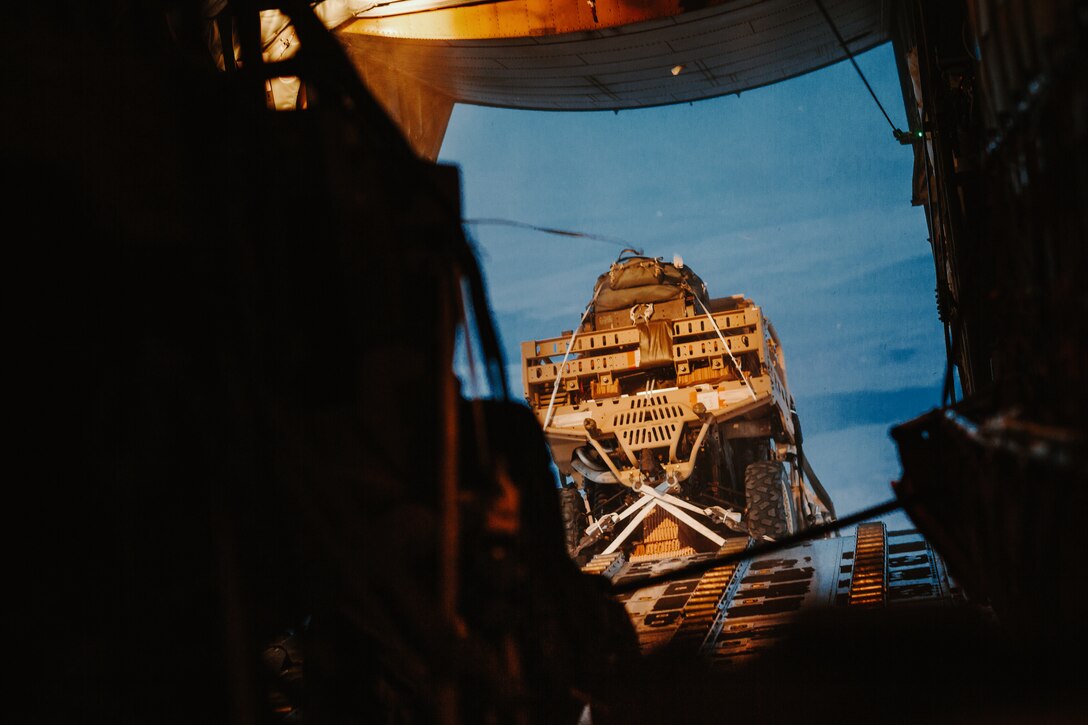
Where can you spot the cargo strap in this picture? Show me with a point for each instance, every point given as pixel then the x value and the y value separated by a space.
pixel 657 497
pixel 566 356
pixel 717 329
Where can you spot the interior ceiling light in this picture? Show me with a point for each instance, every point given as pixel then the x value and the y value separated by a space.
pixel 677 68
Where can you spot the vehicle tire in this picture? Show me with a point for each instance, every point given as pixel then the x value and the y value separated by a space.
pixel 573 514
pixel 769 506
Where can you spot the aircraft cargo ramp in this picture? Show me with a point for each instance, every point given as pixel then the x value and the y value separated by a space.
pixel 670 421
pixel 731 612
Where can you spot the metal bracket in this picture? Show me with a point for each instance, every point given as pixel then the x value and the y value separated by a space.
pixel 726 517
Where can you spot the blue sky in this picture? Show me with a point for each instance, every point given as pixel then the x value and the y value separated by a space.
pixel 795 195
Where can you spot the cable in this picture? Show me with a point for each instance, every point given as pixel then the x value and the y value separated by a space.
pixel 725 344
pixel 546 230
pixel 899 135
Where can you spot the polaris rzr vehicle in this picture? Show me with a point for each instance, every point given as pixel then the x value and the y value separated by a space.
pixel 670 420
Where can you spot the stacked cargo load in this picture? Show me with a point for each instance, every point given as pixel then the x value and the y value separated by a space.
pixel 668 410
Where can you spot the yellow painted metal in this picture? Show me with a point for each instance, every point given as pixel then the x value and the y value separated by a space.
pixel 702 606
pixel 869 583
pixel 662 536
pixel 515 19
pixel 616 347
pixel 603 562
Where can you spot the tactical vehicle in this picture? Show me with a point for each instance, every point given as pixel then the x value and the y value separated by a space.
pixel 670 420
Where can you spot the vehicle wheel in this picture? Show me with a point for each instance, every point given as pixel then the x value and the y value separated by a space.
pixel 573 514
pixel 769 509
